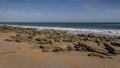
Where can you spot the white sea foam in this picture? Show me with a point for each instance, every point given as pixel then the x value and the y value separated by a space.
pixel 77 30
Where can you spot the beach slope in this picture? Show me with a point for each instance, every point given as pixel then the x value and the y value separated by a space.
pixel 30 48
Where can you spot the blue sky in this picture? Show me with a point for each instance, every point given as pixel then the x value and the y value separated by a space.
pixel 59 10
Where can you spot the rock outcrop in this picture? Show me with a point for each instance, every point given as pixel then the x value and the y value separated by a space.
pixel 59 41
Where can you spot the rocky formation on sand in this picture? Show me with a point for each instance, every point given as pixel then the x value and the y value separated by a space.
pixel 60 41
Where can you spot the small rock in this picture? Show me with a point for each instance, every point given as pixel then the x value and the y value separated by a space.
pixel 57 49
pixel 116 43
pixel 70 48
pixel 90 46
pixel 109 48
pixel 96 55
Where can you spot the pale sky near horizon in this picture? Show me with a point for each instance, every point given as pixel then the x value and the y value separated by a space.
pixel 59 10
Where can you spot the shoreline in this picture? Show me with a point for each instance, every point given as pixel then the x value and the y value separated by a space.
pixel 52 37
pixel 113 32
pixel 30 48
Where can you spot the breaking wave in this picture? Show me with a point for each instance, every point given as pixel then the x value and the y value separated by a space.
pixel 77 30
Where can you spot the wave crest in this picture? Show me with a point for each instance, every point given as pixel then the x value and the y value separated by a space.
pixel 77 30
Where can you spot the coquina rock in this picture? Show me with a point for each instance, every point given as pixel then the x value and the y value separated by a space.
pixel 112 49
pixel 90 46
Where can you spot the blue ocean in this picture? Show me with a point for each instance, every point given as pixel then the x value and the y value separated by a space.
pixel 110 28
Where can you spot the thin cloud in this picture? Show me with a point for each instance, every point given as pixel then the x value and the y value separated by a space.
pixel 19 13
pixel 114 11
pixel 13 15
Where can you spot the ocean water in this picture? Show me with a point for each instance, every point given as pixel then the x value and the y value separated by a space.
pixel 108 28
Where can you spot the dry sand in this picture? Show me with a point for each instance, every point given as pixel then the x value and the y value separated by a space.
pixel 23 55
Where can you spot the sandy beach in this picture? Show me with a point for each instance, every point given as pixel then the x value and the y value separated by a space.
pixel 30 48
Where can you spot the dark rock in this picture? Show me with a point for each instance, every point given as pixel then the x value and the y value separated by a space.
pixel 110 48
pixel 47 48
pixel 97 55
pixel 70 48
pixel 82 35
pixel 91 35
pixel 42 41
pixel 100 55
pixel 79 48
pixel 57 49
pixel 8 40
pixel 90 46
pixel 116 43
pixel 119 37
pixel 97 40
